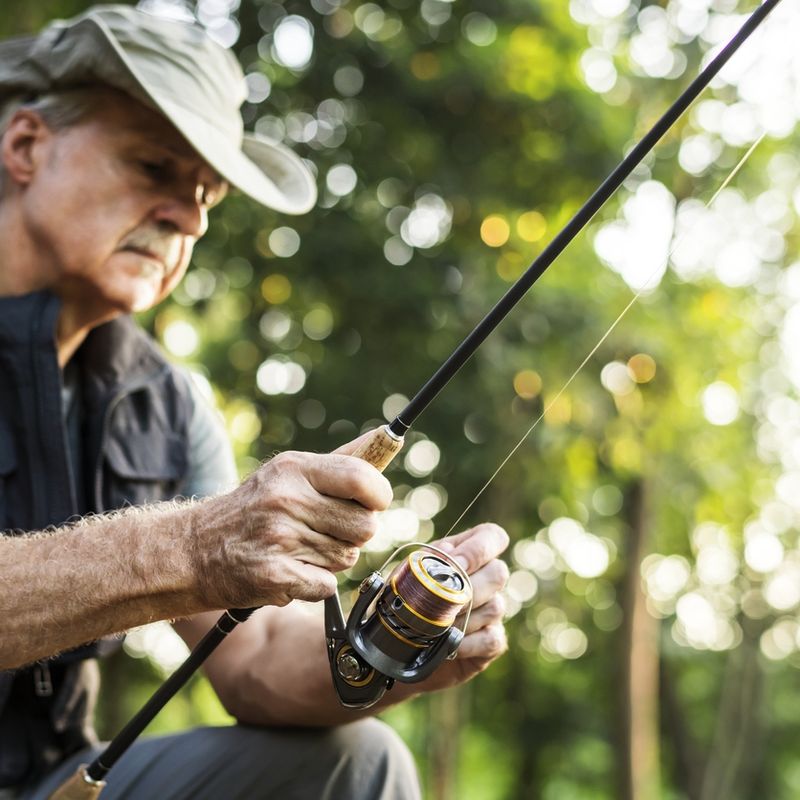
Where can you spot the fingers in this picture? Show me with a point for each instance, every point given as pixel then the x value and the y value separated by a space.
pixel 304 582
pixel 342 519
pixel 489 614
pixel 476 547
pixel 311 488
pixel 282 533
pixel 488 581
pixel 325 551
pixel 485 644
pixel 347 478
pixel 477 550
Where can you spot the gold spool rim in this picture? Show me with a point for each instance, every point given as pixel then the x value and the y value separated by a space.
pixel 459 597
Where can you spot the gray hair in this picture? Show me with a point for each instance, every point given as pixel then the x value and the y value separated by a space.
pixel 59 110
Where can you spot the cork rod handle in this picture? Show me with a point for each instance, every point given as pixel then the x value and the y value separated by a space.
pixel 379 448
pixel 78 787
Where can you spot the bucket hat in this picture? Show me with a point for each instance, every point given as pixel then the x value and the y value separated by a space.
pixel 175 68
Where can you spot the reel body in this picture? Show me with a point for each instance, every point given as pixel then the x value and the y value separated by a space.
pixel 401 628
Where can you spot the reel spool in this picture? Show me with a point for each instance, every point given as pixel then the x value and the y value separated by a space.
pixel 400 628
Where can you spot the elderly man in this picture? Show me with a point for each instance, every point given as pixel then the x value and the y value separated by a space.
pixel 120 132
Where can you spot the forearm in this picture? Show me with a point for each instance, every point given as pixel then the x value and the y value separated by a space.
pixel 97 577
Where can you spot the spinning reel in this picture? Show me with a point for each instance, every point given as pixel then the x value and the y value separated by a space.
pixel 400 628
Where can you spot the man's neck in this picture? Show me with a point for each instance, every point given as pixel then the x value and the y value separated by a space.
pixel 23 270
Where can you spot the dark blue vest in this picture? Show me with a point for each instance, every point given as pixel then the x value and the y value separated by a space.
pixel 135 415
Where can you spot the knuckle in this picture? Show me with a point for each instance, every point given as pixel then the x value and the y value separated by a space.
pixel 284 460
pixel 500 573
pixel 345 557
pixel 319 589
pixel 386 493
pixel 496 532
pixel 497 643
pixel 368 527
pixel 496 607
pixel 279 501
pixel 280 531
pixel 352 554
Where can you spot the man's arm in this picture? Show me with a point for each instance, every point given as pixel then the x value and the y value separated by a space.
pixel 273 670
pixel 94 578
pixel 278 536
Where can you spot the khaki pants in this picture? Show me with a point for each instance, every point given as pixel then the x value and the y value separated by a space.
pixel 364 760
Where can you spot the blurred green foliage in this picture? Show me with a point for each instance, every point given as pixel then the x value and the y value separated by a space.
pixel 476 117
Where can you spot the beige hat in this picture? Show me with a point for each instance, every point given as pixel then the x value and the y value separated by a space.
pixel 175 68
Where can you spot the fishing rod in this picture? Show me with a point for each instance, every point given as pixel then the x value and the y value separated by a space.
pixel 387 637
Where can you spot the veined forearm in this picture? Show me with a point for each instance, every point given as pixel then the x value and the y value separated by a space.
pixel 100 576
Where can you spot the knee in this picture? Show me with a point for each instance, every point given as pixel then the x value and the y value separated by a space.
pixel 373 762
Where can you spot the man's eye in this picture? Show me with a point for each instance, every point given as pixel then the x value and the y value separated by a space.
pixel 154 169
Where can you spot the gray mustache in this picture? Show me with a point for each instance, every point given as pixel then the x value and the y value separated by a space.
pixel 165 246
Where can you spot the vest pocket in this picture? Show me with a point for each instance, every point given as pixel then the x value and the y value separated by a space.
pixel 143 471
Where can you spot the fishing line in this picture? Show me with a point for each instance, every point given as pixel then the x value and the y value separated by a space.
pixel 607 333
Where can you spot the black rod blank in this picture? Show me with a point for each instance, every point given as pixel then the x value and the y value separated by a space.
pixel 98 769
pixel 464 351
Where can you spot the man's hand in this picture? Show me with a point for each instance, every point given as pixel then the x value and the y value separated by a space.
pixel 283 533
pixel 258 670
pixel 477 550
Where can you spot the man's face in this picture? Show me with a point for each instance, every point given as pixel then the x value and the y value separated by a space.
pixel 116 205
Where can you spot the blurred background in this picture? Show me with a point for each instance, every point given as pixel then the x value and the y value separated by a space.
pixel 654 599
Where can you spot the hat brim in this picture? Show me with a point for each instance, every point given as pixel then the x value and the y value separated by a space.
pixel 265 170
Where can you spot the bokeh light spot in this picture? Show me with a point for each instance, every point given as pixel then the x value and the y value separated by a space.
pixel 616 378
pixel 276 289
pixel 293 42
pixel 348 81
pixel 495 230
pixel 720 403
pixel 318 322
pixel 393 405
pixel 479 29
pixel 280 376
pixel 531 226
pixel 311 413
pixel 642 367
pixel 422 458
pixel 763 552
pixel 527 384
pixel 341 180
pixel 284 242
pixel 425 66
pixel 181 338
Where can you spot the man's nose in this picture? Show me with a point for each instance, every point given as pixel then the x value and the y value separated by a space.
pixel 185 211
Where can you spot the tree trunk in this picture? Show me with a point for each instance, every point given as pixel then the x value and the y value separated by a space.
pixel 638 753
pixel 689 758
pixel 444 738
pixel 735 752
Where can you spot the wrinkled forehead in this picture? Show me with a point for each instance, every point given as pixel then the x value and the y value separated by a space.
pixel 126 122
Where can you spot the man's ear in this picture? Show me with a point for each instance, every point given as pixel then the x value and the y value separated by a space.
pixel 21 149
